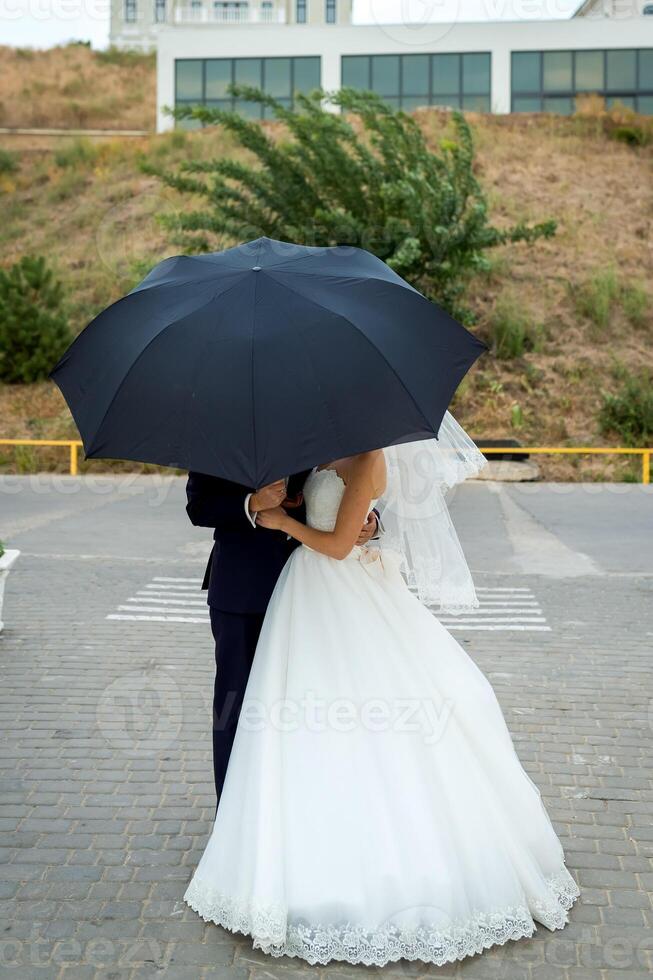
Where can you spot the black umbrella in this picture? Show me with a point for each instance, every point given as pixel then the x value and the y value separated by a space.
pixel 263 360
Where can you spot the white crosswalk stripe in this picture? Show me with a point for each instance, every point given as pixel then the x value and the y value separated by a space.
pixel 165 600
pixel 501 609
pixel 179 600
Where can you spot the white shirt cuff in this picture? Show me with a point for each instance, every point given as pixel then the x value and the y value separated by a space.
pixel 250 517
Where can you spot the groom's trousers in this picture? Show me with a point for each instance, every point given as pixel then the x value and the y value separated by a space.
pixel 236 636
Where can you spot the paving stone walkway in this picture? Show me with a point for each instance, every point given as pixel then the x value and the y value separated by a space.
pixel 106 797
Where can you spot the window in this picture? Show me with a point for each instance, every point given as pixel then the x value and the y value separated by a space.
pixel 130 11
pixel 557 71
pixel 330 11
pixel 232 11
pixel 525 71
pixel 300 11
pixel 385 75
pixel 189 81
pixel 589 71
pixel 407 81
pixel 206 81
pixel 621 70
pixel 159 11
pixel 549 81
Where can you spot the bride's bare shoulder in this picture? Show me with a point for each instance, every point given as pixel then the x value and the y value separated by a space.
pixel 370 465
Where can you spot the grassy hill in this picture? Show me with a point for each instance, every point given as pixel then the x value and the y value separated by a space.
pixel 584 299
pixel 73 86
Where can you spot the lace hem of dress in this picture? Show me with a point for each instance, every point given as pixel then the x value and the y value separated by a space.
pixel 271 932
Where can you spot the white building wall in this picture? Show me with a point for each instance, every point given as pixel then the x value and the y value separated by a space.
pixel 332 41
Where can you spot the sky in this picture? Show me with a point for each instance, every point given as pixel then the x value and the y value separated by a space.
pixel 43 23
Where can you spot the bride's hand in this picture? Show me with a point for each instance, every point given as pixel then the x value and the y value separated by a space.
pixel 274 518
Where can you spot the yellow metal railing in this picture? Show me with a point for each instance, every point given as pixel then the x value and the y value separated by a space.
pixel 74 445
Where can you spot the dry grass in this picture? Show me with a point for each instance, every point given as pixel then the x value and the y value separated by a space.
pixel 598 190
pixel 73 86
pixel 96 219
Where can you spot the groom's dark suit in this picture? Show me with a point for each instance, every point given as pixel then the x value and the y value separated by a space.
pixel 243 569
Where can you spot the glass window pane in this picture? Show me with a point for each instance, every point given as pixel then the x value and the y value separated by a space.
pixel 410 102
pixel 247 71
pixel 476 73
pixel 188 124
pixel 526 71
pixel 415 74
pixel 645 105
pixel 476 103
pixel 251 110
pixel 646 70
pixel 220 104
pixel 276 77
pixel 446 100
pixel 621 70
pixel 446 73
pixel 392 101
pixel 269 114
pixel 356 72
pixel 556 71
pixel 218 77
pixel 189 79
pixel 306 75
pixel 385 74
pixel 526 105
pixel 589 71
pixel 625 101
pixel 562 105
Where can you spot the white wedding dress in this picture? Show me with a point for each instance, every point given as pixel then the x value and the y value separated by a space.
pixel 374 808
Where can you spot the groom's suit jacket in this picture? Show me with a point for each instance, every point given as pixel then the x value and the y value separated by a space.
pixel 246 561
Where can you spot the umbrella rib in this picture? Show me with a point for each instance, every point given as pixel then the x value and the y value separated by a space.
pixel 341 316
pixel 138 357
pixel 326 274
pixel 251 380
pixel 298 258
pixel 176 283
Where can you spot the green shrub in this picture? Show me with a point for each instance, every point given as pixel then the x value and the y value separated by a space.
pixel 629 411
pixel 635 304
pixel 69 184
pixel 8 162
pixel 371 182
pixel 511 332
pixel 598 298
pixel 34 330
pixel 78 153
pixel 631 135
pixel 516 416
pixel 595 299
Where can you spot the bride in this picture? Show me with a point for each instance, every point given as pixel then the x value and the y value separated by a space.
pixel 374 808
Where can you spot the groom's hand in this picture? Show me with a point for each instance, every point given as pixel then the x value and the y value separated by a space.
pixel 369 529
pixel 267 497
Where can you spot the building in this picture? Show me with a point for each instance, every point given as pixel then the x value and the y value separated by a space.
pixel 135 24
pixel 286 46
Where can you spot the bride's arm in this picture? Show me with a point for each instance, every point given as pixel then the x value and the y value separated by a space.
pixel 353 511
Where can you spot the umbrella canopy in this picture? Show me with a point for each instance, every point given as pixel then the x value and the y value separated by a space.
pixel 263 360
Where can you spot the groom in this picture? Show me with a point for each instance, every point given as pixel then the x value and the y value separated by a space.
pixel 243 569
